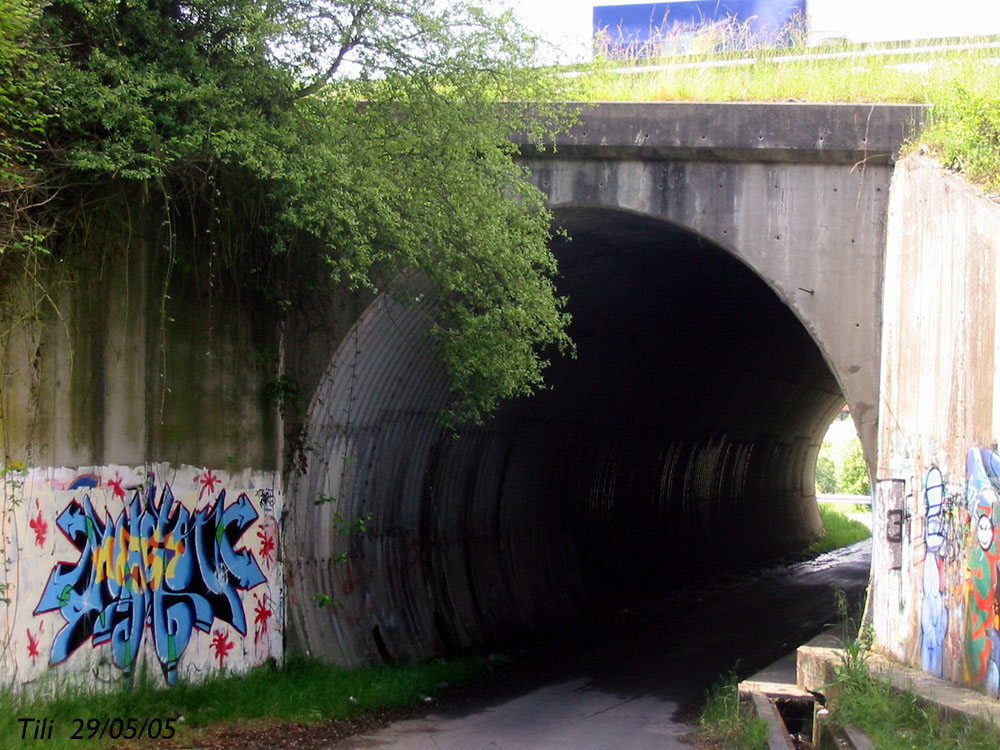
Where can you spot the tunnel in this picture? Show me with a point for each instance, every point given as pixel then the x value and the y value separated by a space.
pixel 680 442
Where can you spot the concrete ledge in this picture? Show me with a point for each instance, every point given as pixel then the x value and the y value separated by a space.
pixel 953 699
pixel 816 672
pixel 740 131
pixel 748 688
pixel 814 668
pixel 858 739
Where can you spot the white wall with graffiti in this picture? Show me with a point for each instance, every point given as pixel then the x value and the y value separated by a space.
pixel 112 571
pixel 936 554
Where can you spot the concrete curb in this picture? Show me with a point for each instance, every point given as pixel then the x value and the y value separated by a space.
pixel 777 736
pixel 813 671
pixel 858 739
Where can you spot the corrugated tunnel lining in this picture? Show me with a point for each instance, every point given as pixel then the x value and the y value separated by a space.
pixel 682 438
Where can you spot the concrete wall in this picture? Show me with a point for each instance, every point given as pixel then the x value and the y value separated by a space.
pixel 139 471
pixel 937 512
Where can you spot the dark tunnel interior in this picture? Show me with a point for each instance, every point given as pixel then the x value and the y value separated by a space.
pixel 688 367
pixel 680 440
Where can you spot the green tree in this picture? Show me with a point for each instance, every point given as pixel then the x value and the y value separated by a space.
pixel 21 124
pixel 339 141
pixel 826 474
pixel 854 473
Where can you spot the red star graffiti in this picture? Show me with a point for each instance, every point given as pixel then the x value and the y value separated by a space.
pixel 208 481
pixel 117 487
pixel 260 619
pixel 222 646
pixel 32 647
pixel 267 545
pixel 39 526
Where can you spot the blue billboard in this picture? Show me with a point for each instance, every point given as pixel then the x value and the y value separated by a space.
pixel 648 28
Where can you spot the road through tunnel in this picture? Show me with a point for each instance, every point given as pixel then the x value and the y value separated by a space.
pixel 679 442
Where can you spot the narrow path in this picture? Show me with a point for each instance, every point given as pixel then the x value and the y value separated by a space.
pixel 638 677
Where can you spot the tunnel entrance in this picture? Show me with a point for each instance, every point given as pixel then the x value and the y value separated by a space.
pixel 682 440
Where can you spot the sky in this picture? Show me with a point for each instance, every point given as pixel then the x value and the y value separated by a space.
pixel 567 23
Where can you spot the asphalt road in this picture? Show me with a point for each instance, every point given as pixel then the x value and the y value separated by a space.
pixel 627 682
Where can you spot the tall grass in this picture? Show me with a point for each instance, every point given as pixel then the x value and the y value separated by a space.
pixel 838 530
pixel 300 690
pixel 896 720
pixel 728 721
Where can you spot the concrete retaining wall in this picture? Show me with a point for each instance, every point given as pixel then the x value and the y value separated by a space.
pixel 139 473
pixel 937 511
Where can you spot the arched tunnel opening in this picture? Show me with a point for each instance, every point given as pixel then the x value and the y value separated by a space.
pixel 680 441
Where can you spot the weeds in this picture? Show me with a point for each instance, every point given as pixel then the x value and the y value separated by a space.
pixel 896 720
pixel 727 720
pixel 964 132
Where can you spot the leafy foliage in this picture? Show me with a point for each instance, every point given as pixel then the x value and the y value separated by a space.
pixel 826 474
pixel 842 468
pixel 21 123
pixel 308 143
pixel 854 473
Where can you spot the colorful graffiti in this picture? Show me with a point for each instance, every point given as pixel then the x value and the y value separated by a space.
pixel 982 629
pixel 960 575
pixel 156 567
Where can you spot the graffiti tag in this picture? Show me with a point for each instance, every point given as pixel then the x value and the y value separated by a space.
pixel 156 567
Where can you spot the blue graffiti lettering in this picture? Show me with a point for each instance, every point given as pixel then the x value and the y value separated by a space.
pixel 154 567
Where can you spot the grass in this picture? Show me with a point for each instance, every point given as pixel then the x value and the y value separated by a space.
pixel 730 722
pixel 896 720
pixel 839 530
pixel 893 720
pixel 301 690
pixel 961 81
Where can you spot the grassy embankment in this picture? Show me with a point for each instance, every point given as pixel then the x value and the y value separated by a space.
pixel 839 529
pixel 898 720
pixel 299 691
pixel 960 80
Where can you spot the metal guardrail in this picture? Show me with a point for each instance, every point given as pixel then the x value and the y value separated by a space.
pixel 845 499
pixel 846 55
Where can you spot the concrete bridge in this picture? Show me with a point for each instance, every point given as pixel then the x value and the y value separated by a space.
pixel 724 273
pixel 736 273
